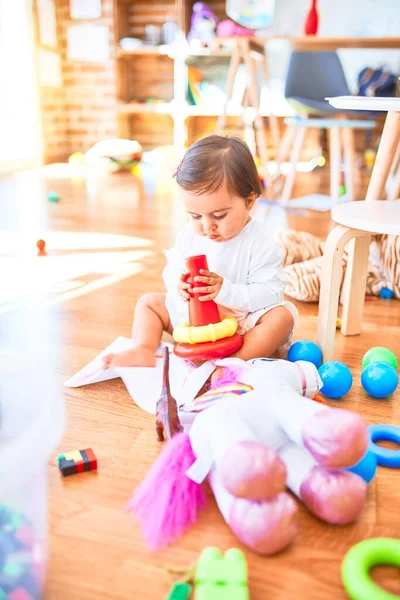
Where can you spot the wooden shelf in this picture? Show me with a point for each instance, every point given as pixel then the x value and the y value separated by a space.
pixel 168 108
pixel 144 51
pixel 168 51
pixel 138 108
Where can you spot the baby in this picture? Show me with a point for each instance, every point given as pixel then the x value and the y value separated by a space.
pixel 218 185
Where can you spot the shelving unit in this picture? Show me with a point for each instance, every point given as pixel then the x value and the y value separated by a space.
pixel 160 73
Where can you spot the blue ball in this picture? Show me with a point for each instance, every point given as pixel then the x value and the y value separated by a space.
pixel 379 379
pixel 336 377
pixel 366 467
pixel 386 293
pixel 305 350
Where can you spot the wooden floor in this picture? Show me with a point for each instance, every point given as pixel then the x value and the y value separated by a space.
pixel 96 550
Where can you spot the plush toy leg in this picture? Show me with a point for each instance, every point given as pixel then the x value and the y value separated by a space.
pixel 251 470
pixel 333 495
pixel 335 437
pixel 265 527
pixel 248 468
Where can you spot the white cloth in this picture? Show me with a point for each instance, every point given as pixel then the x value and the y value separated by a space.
pixel 251 265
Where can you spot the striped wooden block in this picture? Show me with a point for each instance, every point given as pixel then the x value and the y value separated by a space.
pixel 77 461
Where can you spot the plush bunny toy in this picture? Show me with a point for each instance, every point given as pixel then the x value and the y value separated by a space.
pixel 250 445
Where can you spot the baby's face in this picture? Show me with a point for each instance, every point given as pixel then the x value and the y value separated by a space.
pixel 219 216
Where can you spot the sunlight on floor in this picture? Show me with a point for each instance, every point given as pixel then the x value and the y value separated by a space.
pixel 101 258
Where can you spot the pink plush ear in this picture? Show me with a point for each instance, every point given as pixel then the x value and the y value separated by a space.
pixel 167 501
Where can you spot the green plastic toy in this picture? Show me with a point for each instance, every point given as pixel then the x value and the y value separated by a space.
pixel 380 354
pixel 221 577
pixel 180 591
pixel 53 197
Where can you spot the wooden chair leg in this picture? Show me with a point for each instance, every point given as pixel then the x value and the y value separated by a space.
pixel 335 161
pixel 383 162
pixel 354 285
pixel 331 276
pixel 232 70
pixel 350 161
pixel 294 157
pixel 254 97
pixel 272 119
pixel 393 182
pixel 285 146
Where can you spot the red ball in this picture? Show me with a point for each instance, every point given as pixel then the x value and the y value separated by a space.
pixel 41 244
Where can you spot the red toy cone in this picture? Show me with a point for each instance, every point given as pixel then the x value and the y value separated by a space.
pixel 200 313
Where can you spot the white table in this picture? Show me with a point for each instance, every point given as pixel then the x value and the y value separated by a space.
pixel 373 216
pixel 365 103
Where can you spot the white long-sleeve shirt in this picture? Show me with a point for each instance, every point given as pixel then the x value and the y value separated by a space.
pixel 250 264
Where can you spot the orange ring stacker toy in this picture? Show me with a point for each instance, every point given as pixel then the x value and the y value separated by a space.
pixel 206 336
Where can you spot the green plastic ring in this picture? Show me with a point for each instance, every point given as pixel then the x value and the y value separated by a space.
pixel 360 559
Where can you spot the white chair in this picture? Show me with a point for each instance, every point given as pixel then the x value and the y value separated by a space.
pixel 356 221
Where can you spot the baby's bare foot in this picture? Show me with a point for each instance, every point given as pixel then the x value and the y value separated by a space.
pixel 134 357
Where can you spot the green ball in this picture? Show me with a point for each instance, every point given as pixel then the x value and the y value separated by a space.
pixel 342 190
pixel 380 354
pixel 53 197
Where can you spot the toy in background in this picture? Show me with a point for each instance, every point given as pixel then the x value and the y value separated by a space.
pixel 252 14
pixel 215 576
pixel 116 155
pixel 202 24
pixel 221 576
pixel 228 28
pixel 41 246
pixel 250 449
pixel 303 264
pixel 359 561
pixel 206 336
pixel 21 568
pixel 312 20
pixel 379 377
pixel 53 197
pixel 335 376
pixel 77 461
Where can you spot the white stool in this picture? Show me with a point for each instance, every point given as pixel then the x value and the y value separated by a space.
pixel 357 221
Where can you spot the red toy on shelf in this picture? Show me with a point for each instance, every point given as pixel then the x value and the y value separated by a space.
pixel 206 336
pixel 311 24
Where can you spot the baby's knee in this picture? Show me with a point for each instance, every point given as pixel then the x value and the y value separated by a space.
pixel 152 300
pixel 281 316
pixel 286 317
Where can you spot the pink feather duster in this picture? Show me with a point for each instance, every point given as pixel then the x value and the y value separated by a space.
pixel 167 502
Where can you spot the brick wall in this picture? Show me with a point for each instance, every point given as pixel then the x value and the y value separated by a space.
pixel 83 111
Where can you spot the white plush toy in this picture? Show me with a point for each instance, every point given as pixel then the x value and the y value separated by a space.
pixel 250 445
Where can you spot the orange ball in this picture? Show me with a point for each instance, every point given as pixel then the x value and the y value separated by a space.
pixel 40 244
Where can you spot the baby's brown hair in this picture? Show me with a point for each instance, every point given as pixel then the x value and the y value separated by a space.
pixel 216 160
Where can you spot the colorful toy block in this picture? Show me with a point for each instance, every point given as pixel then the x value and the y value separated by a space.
pixel 77 461
pixel 221 577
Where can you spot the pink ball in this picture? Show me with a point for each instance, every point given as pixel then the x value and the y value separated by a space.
pixel 251 470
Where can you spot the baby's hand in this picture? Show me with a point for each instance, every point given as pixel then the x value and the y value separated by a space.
pixel 183 286
pixel 214 284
